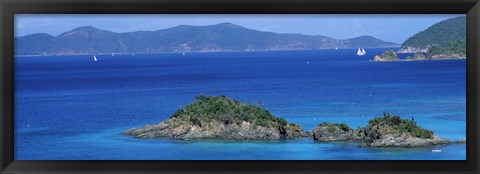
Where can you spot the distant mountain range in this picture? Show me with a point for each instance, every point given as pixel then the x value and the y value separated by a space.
pixel 183 38
pixel 447 32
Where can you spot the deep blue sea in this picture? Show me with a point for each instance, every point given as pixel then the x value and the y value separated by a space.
pixel 72 108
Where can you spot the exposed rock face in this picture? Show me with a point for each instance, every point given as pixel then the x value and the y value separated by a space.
pixel 335 132
pixel 401 140
pixel 181 129
pixel 412 50
pixel 220 118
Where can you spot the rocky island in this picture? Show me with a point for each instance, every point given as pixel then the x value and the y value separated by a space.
pixel 387 56
pixel 335 132
pixel 218 117
pixel 386 131
pixel 393 131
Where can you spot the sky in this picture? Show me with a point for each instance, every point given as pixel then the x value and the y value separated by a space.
pixel 393 28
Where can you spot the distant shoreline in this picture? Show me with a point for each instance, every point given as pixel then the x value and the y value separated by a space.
pixel 196 52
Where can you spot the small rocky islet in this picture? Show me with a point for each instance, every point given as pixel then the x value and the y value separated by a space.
pixel 335 132
pixel 386 131
pixel 218 117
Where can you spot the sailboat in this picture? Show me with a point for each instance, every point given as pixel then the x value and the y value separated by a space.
pixel 361 52
pixel 183 53
pixel 95 58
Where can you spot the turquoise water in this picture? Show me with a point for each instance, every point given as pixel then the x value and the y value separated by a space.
pixel 69 107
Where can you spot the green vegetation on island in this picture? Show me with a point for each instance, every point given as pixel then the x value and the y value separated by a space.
pixel 209 108
pixel 218 117
pixel 417 56
pixel 335 132
pixel 443 40
pixel 453 49
pixel 387 56
pixel 342 126
pixel 399 125
pixel 386 131
pixel 393 131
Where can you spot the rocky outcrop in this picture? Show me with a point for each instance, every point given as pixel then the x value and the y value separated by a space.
pixel 182 129
pixel 400 140
pixel 218 117
pixel 335 132
pixel 387 56
pixel 383 136
pixel 392 131
pixel 387 131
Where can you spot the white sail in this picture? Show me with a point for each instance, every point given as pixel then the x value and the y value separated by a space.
pixel 113 54
pixel 94 58
pixel 183 53
pixel 361 52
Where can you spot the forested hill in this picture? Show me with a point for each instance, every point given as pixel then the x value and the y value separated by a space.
pixel 455 49
pixel 184 38
pixel 442 33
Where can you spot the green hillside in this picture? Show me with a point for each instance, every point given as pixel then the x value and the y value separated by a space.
pixel 454 49
pixel 441 33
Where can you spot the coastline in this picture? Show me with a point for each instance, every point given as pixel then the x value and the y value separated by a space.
pixel 199 52
pixel 402 60
pixel 392 56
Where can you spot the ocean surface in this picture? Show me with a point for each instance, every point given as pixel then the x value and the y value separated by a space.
pixel 72 108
